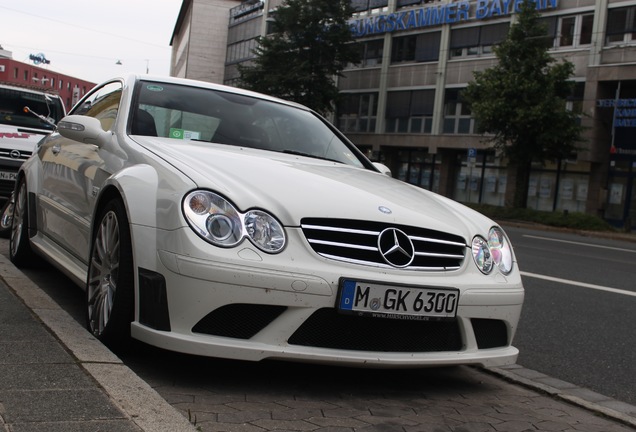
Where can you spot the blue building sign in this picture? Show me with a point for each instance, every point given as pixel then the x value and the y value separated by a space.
pixel 436 15
pixel 623 124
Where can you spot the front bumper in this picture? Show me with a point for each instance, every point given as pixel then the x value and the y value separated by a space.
pixel 243 304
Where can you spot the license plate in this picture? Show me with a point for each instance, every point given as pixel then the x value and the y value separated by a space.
pixel 4 175
pixel 397 301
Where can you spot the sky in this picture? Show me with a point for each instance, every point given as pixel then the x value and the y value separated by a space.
pixel 86 38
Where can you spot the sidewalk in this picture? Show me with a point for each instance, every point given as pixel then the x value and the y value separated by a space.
pixel 55 377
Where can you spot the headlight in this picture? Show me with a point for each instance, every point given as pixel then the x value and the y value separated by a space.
pixel 500 249
pixel 482 255
pixel 494 251
pixel 216 220
pixel 264 231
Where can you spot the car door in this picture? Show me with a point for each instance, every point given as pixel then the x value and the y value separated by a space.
pixel 69 167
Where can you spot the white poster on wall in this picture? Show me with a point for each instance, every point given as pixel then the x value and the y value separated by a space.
pixel 545 190
pixel 532 188
pixel 581 192
pixel 567 191
pixel 616 193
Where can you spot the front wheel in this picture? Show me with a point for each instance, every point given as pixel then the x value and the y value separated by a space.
pixel 20 252
pixel 110 282
pixel 6 218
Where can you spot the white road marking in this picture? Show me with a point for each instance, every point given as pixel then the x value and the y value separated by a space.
pixel 581 243
pixel 579 284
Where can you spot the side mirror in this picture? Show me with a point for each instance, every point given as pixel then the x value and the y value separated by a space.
pixel 383 168
pixel 87 130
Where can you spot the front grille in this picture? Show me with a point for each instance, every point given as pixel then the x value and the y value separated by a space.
pixel 490 333
pixel 6 153
pixel 241 321
pixel 356 241
pixel 326 328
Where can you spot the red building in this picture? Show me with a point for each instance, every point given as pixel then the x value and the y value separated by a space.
pixel 16 73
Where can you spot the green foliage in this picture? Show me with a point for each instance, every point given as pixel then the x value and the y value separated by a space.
pixel 311 43
pixel 521 101
pixel 571 220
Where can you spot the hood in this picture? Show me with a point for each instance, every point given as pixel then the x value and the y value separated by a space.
pixel 293 187
pixel 19 138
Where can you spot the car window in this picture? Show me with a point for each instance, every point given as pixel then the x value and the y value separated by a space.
pixel 214 116
pixel 13 101
pixel 103 104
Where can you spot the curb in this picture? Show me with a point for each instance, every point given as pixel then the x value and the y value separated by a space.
pixel 133 396
pixel 619 411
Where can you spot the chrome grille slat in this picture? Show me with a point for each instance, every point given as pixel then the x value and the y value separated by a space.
pixel 432 240
pixel 356 242
pixel 439 255
pixel 344 245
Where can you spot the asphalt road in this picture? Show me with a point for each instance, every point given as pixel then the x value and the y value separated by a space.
pixel 577 333
pixel 571 327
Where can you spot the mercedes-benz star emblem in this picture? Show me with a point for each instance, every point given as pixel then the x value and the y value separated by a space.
pixel 396 247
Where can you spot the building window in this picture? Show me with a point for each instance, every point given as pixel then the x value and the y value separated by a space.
pixel 357 112
pixel 366 5
pixel 26 75
pixel 621 25
pixel 475 41
pixel 416 48
pixel 457 119
pixel 404 3
pixel 574 102
pixel 575 31
pixel 241 51
pixel 371 52
pixel 409 111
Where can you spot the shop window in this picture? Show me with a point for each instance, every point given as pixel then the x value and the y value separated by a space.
pixel 621 25
pixel 357 112
pixel 423 47
pixel 409 111
pixel 575 31
pixel 481 180
pixel 476 41
pixel 418 167
pixel 457 119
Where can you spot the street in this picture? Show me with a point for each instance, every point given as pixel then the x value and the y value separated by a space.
pixel 577 333
pixel 574 326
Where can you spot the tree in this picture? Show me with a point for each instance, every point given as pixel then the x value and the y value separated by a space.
pixel 522 101
pixel 311 43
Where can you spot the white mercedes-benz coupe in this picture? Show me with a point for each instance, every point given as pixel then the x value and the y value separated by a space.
pixel 215 221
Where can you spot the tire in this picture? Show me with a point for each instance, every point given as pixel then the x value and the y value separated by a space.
pixel 110 280
pixel 20 252
pixel 6 218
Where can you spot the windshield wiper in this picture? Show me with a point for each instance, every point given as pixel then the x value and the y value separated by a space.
pixel 299 153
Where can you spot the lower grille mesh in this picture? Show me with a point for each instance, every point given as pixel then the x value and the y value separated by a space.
pixel 490 333
pixel 241 321
pixel 326 328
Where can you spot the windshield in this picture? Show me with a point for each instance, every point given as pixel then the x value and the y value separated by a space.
pixel 184 112
pixel 13 101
